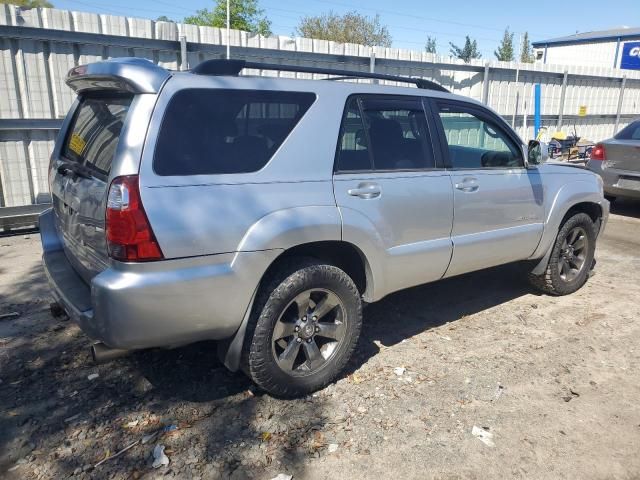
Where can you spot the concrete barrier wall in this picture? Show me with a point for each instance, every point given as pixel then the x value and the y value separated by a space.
pixel 39 46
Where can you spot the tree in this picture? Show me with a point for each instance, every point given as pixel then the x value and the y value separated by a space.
pixel 430 47
pixel 351 27
pixel 525 49
pixel 164 18
pixel 504 53
pixel 29 3
pixel 466 53
pixel 244 15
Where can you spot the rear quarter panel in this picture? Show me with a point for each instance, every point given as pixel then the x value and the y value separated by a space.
pixel 287 202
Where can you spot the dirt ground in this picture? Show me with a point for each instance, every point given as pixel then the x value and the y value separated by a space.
pixel 549 386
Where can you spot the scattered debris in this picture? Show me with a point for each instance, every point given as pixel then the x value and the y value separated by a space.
pixel 72 418
pixel 93 376
pixel 362 410
pixel 574 394
pixel 333 447
pixel 132 424
pixel 6 316
pixel 483 435
pixel 499 392
pixel 159 457
pixel 117 454
pixel 282 476
pixel 399 371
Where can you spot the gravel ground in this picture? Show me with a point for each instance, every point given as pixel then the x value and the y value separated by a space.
pixel 473 377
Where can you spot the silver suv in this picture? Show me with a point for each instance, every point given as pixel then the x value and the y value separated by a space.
pixel 263 212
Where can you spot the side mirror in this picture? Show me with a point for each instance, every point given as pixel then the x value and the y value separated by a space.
pixel 537 152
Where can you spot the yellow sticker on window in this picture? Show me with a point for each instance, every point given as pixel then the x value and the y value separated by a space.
pixel 77 144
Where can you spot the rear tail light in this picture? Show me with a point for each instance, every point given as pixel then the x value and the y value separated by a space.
pixel 129 234
pixel 598 152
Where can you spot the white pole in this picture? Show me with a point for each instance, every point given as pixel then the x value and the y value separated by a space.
pixel 228 29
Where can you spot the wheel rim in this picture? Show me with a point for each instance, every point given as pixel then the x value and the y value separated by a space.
pixel 573 254
pixel 309 332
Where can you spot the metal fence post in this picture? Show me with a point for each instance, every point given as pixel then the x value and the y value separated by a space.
pixel 563 93
pixel 184 61
pixel 372 64
pixel 620 97
pixel 485 85
pixel 537 108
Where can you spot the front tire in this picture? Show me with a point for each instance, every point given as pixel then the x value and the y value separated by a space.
pixel 571 258
pixel 304 327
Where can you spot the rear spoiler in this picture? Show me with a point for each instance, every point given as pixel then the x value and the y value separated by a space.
pixel 130 75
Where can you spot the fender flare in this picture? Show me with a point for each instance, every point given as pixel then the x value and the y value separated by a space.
pixel 566 198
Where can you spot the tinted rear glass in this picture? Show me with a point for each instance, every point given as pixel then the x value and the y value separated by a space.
pixel 630 132
pixel 207 131
pixel 94 134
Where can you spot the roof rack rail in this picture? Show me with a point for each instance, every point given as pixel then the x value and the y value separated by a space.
pixel 235 66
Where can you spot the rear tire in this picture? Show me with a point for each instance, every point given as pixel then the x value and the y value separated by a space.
pixel 571 258
pixel 304 328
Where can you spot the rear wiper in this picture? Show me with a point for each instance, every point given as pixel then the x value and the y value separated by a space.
pixel 74 167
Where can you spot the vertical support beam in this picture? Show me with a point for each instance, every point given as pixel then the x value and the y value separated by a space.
pixel 184 60
pixel 228 30
pixel 537 95
pixel 615 59
pixel 485 85
pixel 545 54
pixel 515 107
pixel 372 64
pixel 619 109
pixel 563 94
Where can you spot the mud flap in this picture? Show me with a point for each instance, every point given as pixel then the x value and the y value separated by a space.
pixel 230 350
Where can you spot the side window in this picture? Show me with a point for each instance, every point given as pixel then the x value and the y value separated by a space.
pixel 384 133
pixel 353 146
pixel 476 141
pixel 215 131
pixel 398 134
pixel 630 132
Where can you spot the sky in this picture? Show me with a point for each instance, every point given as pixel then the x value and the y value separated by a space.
pixel 411 21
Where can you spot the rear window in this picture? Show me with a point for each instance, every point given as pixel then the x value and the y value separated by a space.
pixel 630 132
pixel 95 131
pixel 207 131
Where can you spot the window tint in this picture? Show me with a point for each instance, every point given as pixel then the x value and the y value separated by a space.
pixel 476 141
pixel 389 132
pixel 207 131
pixel 630 132
pixel 353 150
pixel 94 135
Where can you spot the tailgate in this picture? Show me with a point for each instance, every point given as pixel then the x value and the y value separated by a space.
pixel 79 178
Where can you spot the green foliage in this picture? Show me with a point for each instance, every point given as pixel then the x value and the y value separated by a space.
pixel 526 55
pixel 430 47
pixel 29 3
pixel 466 53
pixel 504 53
pixel 244 15
pixel 164 18
pixel 351 27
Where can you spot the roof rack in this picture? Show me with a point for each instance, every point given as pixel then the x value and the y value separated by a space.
pixel 234 67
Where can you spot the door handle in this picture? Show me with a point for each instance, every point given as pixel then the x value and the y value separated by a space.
pixel 468 185
pixel 365 190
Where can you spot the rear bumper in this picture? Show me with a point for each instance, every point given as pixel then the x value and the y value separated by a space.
pixel 611 178
pixel 155 304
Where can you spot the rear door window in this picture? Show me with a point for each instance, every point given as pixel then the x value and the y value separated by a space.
pixel 94 134
pixel 207 131
pixel 384 133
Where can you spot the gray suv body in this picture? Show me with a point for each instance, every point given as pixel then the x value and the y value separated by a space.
pixel 263 212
